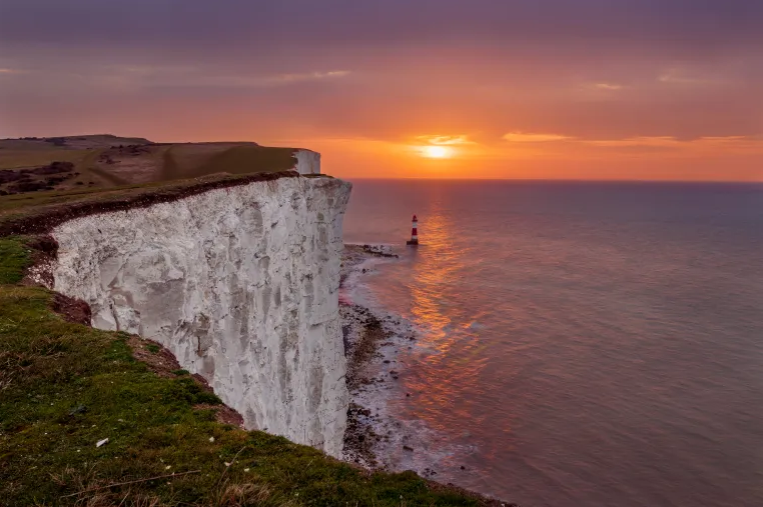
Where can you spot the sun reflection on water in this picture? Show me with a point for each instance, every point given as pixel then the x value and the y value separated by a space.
pixel 447 375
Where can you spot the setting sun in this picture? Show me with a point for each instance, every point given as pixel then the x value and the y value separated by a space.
pixel 436 152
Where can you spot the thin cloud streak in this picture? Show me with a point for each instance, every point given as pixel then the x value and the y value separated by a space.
pixel 607 86
pixel 521 137
pixel 646 141
pixel 446 140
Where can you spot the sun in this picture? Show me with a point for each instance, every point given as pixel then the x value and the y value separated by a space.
pixel 436 152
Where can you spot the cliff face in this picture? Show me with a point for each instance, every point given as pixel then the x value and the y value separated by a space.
pixel 308 162
pixel 240 284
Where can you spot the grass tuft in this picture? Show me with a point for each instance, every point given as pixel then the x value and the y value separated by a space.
pixel 14 258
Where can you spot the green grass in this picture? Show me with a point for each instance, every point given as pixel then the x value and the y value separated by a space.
pixel 248 159
pixel 65 386
pixel 15 159
pixel 14 257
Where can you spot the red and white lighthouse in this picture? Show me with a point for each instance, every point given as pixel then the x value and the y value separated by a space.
pixel 414 232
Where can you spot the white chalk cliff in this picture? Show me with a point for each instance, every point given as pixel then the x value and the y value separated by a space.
pixel 240 283
pixel 308 161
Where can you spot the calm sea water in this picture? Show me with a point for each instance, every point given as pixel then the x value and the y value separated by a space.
pixel 581 344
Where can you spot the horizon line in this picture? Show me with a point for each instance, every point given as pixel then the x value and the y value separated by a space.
pixel 557 180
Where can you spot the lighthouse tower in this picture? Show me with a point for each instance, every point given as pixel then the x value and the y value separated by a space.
pixel 414 232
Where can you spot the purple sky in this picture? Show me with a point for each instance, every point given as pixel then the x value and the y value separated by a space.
pixel 387 71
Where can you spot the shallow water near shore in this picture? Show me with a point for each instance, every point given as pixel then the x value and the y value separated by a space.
pixel 576 343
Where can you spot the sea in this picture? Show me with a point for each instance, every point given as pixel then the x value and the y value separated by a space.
pixel 576 343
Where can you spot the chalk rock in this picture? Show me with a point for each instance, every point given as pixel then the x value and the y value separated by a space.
pixel 240 283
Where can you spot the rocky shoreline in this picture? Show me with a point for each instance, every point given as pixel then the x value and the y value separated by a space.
pixel 372 339
pixel 363 332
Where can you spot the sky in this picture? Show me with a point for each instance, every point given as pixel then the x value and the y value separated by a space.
pixel 571 89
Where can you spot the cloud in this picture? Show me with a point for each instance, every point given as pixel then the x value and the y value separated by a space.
pixel 726 146
pixel 7 71
pixel 247 81
pixel 670 141
pixel 446 140
pixel 660 141
pixel 313 76
pixel 199 77
pixel 267 81
pixel 607 86
pixel 729 139
pixel 521 137
pixel 686 78
pixel 123 78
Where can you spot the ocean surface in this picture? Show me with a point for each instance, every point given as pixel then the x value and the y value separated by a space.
pixel 578 344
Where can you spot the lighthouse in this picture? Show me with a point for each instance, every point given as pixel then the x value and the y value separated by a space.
pixel 414 232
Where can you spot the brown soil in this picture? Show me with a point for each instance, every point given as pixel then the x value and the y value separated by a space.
pixel 43 250
pixel 72 310
pixel 163 363
pixel 224 414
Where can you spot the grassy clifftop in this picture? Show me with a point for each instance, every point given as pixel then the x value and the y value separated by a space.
pixel 105 161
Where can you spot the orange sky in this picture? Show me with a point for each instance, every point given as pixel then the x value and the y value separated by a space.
pixel 647 90
pixel 704 159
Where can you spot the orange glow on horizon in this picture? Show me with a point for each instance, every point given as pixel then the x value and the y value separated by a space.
pixel 436 152
pixel 462 157
pixel 536 155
